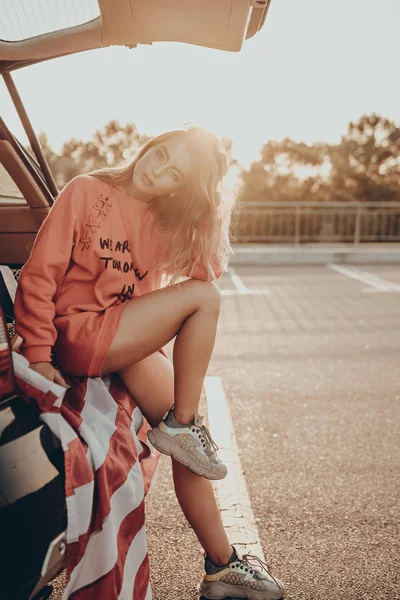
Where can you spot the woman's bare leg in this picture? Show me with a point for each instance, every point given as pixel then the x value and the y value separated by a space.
pixel 196 498
pixel 151 383
pixel 190 312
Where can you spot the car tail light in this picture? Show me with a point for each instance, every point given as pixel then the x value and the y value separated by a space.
pixel 7 379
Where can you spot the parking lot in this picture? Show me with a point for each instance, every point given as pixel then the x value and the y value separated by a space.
pixel 308 361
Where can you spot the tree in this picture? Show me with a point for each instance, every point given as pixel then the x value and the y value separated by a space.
pixel 366 163
pixel 286 171
pixel 364 166
pixel 109 146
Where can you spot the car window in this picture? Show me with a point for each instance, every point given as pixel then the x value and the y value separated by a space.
pixel 22 20
pixel 9 192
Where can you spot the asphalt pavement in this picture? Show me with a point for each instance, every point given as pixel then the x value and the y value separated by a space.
pixel 309 360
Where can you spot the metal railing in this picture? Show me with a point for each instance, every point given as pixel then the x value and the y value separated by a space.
pixel 298 222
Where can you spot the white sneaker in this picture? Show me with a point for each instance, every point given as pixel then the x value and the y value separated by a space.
pixel 190 445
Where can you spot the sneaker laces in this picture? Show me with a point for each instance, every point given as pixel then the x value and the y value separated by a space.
pixel 264 566
pixel 198 422
pixel 208 437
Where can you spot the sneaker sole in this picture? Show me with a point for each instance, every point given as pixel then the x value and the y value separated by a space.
pixel 218 591
pixel 167 445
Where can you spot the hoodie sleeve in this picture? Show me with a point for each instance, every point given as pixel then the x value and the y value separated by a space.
pixel 46 266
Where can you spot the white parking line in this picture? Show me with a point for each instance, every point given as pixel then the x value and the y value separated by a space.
pixel 241 288
pixel 378 283
pixel 237 281
pixel 231 493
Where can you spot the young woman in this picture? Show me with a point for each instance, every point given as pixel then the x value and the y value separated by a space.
pixel 91 292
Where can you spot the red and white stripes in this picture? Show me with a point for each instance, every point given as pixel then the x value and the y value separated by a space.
pixel 109 467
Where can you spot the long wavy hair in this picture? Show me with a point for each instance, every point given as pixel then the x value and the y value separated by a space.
pixel 194 225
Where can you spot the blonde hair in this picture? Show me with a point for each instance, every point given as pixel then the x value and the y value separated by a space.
pixel 195 225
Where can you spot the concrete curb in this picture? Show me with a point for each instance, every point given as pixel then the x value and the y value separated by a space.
pixel 285 254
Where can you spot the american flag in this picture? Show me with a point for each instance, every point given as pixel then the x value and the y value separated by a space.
pixel 109 467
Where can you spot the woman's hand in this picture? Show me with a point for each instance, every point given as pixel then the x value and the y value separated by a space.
pixel 47 370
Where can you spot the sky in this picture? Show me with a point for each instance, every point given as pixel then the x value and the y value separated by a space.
pixel 314 66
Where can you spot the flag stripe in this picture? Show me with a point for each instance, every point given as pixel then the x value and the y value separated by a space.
pixel 148 593
pixel 142 576
pixel 133 576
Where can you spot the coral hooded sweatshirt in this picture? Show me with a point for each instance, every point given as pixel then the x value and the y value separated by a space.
pixel 95 250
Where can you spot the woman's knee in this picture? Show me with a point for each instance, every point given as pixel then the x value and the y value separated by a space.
pixel 208 292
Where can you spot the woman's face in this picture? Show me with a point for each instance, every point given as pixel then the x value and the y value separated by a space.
pixel 164 169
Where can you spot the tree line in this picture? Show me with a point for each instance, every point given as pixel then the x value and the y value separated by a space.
pixel 364 166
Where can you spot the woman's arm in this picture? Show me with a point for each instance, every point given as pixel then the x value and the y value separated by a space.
pixel 34 308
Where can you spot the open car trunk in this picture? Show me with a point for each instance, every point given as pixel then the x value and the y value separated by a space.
pixel 63 27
